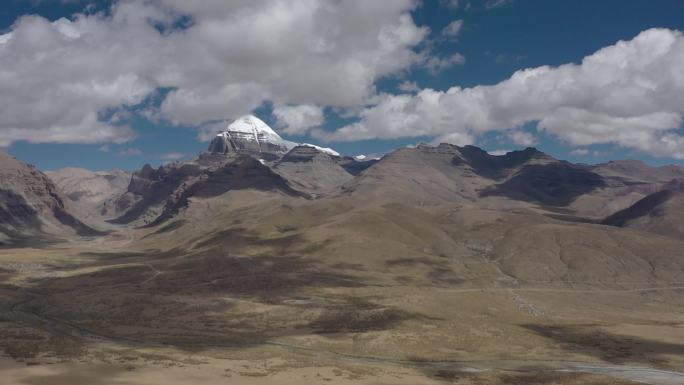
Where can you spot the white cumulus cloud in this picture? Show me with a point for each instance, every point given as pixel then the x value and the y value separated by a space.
pixel 219 59
pixel 436 64
pixel 522 138
pixel 408 86
pixel 453 29
pixel 630 94
pixel 579 151
pixel 298 120
pixel 130 152
pixel 491 4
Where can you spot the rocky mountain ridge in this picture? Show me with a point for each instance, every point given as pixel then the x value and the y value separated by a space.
pixel 252 157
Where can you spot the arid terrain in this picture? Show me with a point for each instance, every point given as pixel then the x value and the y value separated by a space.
pixel 433 265
pixel 336 292
pixel 310 192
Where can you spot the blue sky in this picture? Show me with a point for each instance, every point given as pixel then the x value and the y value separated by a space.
pixel 496 39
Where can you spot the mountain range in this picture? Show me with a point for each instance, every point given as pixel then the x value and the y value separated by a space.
pixel 249 155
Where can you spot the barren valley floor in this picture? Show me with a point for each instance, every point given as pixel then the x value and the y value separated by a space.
pixel 265 301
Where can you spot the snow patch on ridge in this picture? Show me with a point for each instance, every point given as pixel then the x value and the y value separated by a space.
pixel 326 150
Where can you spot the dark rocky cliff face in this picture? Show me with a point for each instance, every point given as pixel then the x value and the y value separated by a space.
pixel 226 144
pixel 150 187
pixel 242 172
pixel 155 195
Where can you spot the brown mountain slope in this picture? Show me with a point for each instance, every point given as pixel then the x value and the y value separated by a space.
pixel 445 244
pixel 312 170
pixel 445 173
pixel 635 172
pixel 90 187
pixel 31 206
pixel 448 173
pixel 92 192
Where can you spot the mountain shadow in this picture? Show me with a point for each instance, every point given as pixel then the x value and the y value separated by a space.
pixel 493 166
pixel 652 205
pixel 16 212
pixel 646 206
pixel 613 348
pixel 553 184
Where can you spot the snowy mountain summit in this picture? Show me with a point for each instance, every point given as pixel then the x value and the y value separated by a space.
pixel 251 135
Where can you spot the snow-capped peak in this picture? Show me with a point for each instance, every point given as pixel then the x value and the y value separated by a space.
pixel 252 134
pixel 251 128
